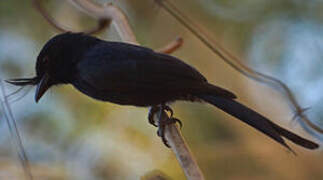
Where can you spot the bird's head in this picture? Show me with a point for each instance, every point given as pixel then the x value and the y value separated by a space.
pixel 56 61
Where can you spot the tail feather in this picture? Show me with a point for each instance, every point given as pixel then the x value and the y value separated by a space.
pixel 295 138
pixel 258 121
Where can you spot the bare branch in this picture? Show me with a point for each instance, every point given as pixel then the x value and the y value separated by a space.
pixel 108 11
pixel 14 132
pixel 180 149
pixel 172 46
pixel 102 23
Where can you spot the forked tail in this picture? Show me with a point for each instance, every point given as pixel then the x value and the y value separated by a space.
pixel 257 121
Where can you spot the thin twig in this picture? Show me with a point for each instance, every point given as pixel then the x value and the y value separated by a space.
pixel 108 11
pixel 172 133
pixel 14 132
pixel 236 63
pixel 102 23
pixel 172 46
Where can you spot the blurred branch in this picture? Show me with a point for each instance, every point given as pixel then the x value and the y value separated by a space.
pixel 14 132
pixel 180 149
pixel 104 14
pixel 172 46
pixel 112 13
pixel 102 23
pixel 236 63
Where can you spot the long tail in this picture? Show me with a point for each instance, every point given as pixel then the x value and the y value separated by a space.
pixel 257 121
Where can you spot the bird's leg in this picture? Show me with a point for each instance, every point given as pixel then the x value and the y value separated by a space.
pixel 162 122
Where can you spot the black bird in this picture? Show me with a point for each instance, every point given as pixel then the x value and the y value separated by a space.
pixel 127 74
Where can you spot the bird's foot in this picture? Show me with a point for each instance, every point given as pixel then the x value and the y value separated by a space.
pixel 152 112
pixel 162 122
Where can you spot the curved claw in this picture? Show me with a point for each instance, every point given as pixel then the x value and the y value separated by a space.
pixel 152 111
pixel 162 126
pixel 161 134
pixel 152 122
pixel 178 121
pixel 165 141
pixel 162 122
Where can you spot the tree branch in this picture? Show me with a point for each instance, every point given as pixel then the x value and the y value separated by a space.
pixel 104 19
pixel 172 46
pixel 14 132
pixel 102 23
pixel 180 148
pixel 111 12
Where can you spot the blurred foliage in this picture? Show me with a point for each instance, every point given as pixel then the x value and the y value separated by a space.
pixel 70 136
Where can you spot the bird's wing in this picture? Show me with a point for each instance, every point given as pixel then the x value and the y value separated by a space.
pixel 121 63
pixel 133 68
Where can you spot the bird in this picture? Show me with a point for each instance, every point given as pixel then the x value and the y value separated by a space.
pixel 128 74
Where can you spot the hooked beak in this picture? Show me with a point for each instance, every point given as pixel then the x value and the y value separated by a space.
pixel 42 87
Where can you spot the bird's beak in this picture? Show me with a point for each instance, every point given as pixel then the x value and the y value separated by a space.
pixel 42 87
pixel 22 81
